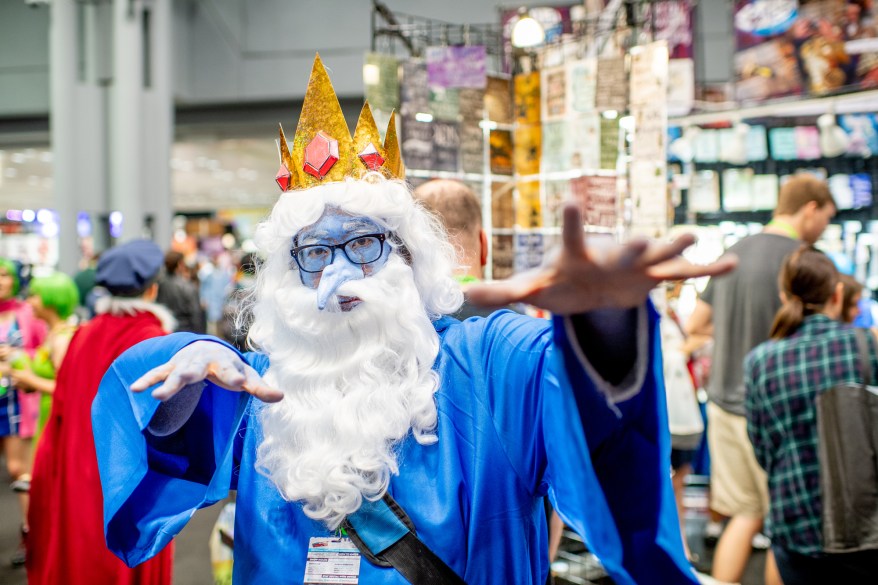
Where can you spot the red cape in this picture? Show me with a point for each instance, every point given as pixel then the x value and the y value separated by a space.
pixel 66 543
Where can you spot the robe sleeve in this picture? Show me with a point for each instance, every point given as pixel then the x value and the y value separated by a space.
pixel 152 485
pixel 601 452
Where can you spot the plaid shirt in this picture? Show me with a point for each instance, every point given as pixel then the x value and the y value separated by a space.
pixel 783 379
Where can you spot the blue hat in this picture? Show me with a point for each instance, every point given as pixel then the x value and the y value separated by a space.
pixel 127 270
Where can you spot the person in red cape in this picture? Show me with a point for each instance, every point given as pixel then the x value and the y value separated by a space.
pixel 66 542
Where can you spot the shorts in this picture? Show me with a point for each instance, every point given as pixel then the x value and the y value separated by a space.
pixel 738 485
pixel 9 412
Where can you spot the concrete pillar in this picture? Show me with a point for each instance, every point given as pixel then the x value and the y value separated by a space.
pixel 78 123
pixel 141 125
pixel 111 119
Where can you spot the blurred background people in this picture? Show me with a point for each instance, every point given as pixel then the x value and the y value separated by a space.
pixel 216 280
pixel 235 325
pixel 852 295
pixel 737 308
pixel 67 540
pixel 180 295
pixel 53 299
pixel 460 211
pixel 684 413
pixel 20 334
pixel 812 349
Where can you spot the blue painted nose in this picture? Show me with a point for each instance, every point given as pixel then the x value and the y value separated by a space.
pixel 336 274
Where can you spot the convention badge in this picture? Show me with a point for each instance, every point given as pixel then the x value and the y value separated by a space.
pixel 333 560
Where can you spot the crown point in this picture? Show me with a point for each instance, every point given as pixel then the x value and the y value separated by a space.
pixel 283 177
pixel 371 157
pixel 320 155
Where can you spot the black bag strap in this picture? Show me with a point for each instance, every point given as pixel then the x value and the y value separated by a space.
pixel 409 555
pixel 863 351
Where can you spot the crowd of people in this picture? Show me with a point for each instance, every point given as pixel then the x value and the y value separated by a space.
pixel 353 414
pixel 38 318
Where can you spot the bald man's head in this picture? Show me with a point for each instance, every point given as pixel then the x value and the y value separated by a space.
pixel 461 213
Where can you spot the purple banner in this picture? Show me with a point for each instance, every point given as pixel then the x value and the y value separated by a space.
pixel 457 67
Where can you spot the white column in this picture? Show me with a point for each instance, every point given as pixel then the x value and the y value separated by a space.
pixel 78 123
pixel 159 133
pixel 112 126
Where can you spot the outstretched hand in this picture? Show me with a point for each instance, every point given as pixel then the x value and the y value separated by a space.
pixel 206 360
pixel 584 277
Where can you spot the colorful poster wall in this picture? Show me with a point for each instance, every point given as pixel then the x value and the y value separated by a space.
pixel 789 47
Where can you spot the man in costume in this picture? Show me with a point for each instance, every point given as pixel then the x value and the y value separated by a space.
pixel 364 398
pixel 66 542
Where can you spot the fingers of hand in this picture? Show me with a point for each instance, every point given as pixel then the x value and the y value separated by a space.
pixel 572 234
pixel 504 292
pixel 227 373
pixel 663 252
pixel 681 269
pixel 255 385
pixel 182 375
pixel 154 376
pixel 626 256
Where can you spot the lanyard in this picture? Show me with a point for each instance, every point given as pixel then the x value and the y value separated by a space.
pixel 785 228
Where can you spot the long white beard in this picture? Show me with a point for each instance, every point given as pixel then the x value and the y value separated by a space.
pixel 355 383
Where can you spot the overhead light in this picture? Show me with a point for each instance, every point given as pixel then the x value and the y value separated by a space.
pixel 371 74
pixel 527 31
pixel 422 117
pixel 610 114
pixel 834 140
pixel 627 123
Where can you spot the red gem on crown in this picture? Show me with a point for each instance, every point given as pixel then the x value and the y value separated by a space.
pixel 283 177
pixel 371 157
pixel 320 154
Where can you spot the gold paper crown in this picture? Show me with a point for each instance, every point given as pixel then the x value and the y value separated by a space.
pixel 323 150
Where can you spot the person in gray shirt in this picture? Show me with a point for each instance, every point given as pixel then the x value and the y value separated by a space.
pixel 737 311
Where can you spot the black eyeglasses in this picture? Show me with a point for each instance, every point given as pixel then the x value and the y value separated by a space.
pixel 360 250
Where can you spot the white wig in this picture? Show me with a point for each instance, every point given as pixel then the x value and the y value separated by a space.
pixel 416 234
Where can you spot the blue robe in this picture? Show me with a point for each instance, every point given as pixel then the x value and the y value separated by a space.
pixel 519 418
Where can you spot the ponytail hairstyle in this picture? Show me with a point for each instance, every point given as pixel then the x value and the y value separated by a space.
pixel 807 280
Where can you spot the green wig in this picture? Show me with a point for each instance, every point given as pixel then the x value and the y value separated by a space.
pixel 12 270
pixel 57 291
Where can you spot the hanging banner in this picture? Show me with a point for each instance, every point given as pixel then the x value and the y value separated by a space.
pixel 649 110
pixel 457 67
pixel 553 87
pixel 446 146
pixel 527 98
pixel 498 100
pixel 472 137
pixel 597 200
pixel 528 211
pixel 381 81
pixel 556 147
pixel 527 149
pixel 585 142
pixel 582 84
pixel 501 152
pixel 502 204
pixel 502 256
pixel 671 21
pixel 529 251
pixel 612 86
pixel 609 143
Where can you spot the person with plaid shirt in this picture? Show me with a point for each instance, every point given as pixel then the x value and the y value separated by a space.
pixel 810 351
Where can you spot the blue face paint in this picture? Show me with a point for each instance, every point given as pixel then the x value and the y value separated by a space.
pixel 334 228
